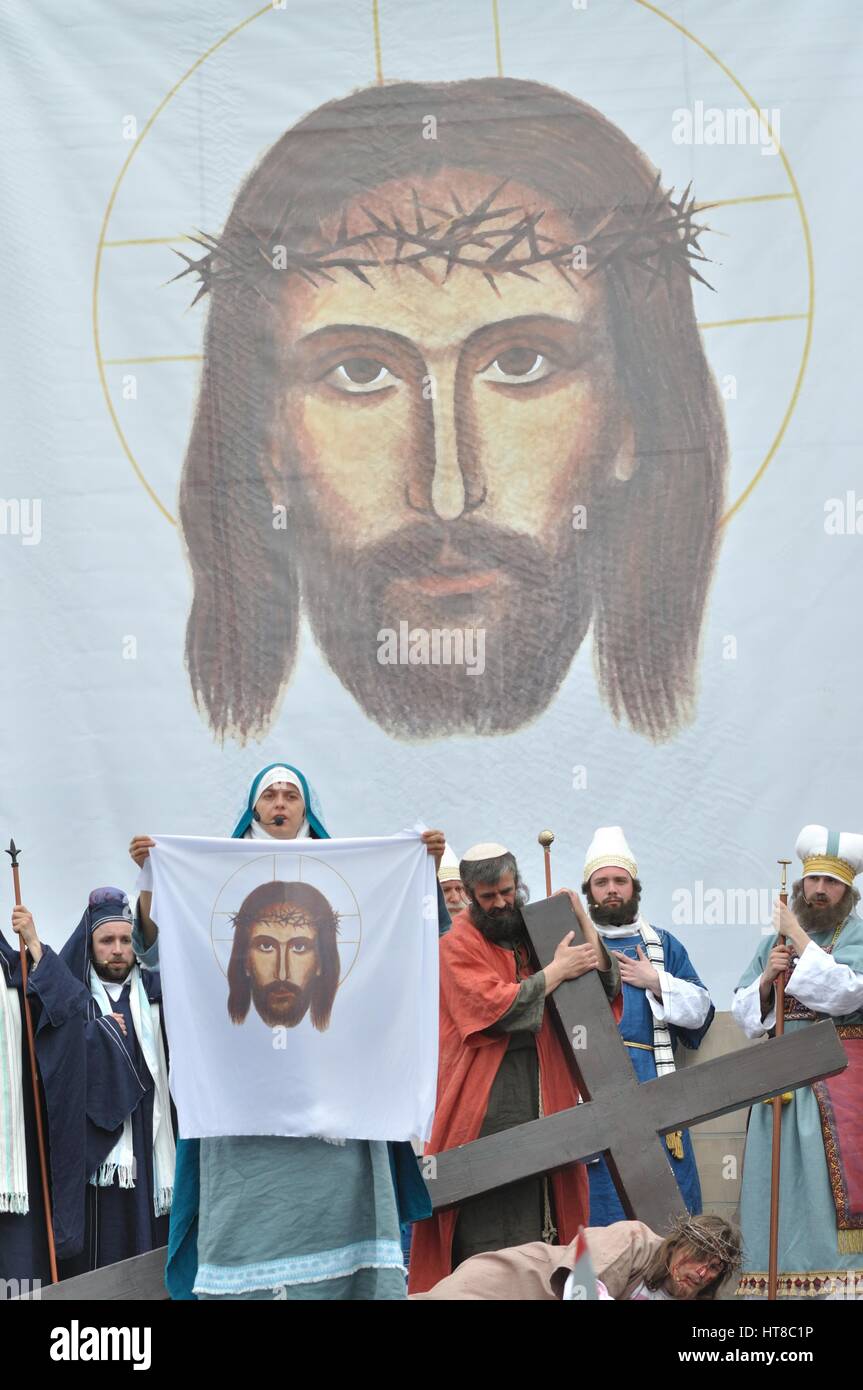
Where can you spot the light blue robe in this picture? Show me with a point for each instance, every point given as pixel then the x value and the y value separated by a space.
pixel 808 1237
pixel 636 1025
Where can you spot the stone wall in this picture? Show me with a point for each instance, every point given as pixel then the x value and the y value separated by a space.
pixel 719 1143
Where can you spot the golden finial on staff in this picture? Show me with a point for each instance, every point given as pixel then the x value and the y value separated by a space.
pixel 783 889
pixel 546 839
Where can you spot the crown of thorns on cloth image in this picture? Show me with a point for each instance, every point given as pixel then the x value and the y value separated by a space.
pixel 657 237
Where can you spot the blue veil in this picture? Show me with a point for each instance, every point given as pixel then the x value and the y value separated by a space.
pixel 314 814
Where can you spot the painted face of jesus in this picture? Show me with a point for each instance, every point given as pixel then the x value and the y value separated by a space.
pixel 283 963
pixel 441 436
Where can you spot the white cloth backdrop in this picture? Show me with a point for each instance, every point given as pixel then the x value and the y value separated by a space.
pixel 372 1073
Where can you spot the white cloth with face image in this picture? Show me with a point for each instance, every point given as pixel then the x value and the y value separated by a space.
pixel 332 1030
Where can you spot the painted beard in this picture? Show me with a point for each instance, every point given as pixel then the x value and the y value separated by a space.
pixel 502 926
pixel 279 1004
pixel 820 919
pixel 538 607
pixel 614 916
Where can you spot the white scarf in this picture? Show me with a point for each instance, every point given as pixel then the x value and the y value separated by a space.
pixel 663 1052
pixel 120 1162
pixel 14 1195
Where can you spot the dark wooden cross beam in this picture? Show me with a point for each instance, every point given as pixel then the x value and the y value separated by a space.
pixel 622 1119
pixel 140 1279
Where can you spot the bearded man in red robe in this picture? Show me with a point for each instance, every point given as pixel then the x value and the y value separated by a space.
pixel 502 1064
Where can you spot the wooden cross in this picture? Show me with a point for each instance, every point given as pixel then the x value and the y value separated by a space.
pixel 622 1119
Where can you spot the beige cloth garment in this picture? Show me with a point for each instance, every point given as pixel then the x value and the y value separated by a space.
pixel 620 1253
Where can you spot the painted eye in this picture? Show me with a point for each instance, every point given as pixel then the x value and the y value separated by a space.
pixel 518 366
pixel 300 947
pixel 361 375
pixel 265 947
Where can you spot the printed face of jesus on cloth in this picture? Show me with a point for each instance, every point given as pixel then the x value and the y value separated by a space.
pixel 283 961
pixel 285 956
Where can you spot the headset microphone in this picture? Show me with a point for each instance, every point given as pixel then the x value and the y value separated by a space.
pixel 278 820
pixel 255 816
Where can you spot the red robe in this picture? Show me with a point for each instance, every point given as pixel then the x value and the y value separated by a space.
pixel 477 986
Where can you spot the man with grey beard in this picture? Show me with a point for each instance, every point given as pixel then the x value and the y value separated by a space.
pixel 818 949
pixel 502 1064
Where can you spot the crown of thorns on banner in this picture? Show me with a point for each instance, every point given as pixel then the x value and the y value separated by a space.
pixel 286 914
pixel 657 237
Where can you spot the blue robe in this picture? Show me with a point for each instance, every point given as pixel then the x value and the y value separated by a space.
pixel 809 1242
pixel 636 1025
pixel 117 1222
pixel 58 1005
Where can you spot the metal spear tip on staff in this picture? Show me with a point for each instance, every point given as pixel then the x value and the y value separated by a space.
pixel 13 852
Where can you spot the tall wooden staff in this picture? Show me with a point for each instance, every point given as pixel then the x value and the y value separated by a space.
pixel 776 1103
pixel 546 839
pixel 34 1076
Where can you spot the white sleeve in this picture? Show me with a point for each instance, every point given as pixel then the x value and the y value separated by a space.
pixel 746 1011
pixel 684 1004
pixel 144 882
pixel 822 984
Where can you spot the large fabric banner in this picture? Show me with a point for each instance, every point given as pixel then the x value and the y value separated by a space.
pixel 457 399
pixel 300 983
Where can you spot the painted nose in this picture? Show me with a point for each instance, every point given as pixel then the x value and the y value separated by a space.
pixel 448 490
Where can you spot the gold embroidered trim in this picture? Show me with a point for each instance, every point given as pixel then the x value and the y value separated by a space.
pixel 850 1235
pixel 802 1283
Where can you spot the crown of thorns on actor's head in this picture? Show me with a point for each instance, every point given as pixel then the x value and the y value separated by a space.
pixel 265 901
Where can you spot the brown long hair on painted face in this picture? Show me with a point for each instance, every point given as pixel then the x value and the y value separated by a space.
pixel 647 557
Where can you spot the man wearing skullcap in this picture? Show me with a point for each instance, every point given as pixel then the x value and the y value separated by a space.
pixel 664 1002
pixel 502 1064
pixel 818 950
pixel 449 878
